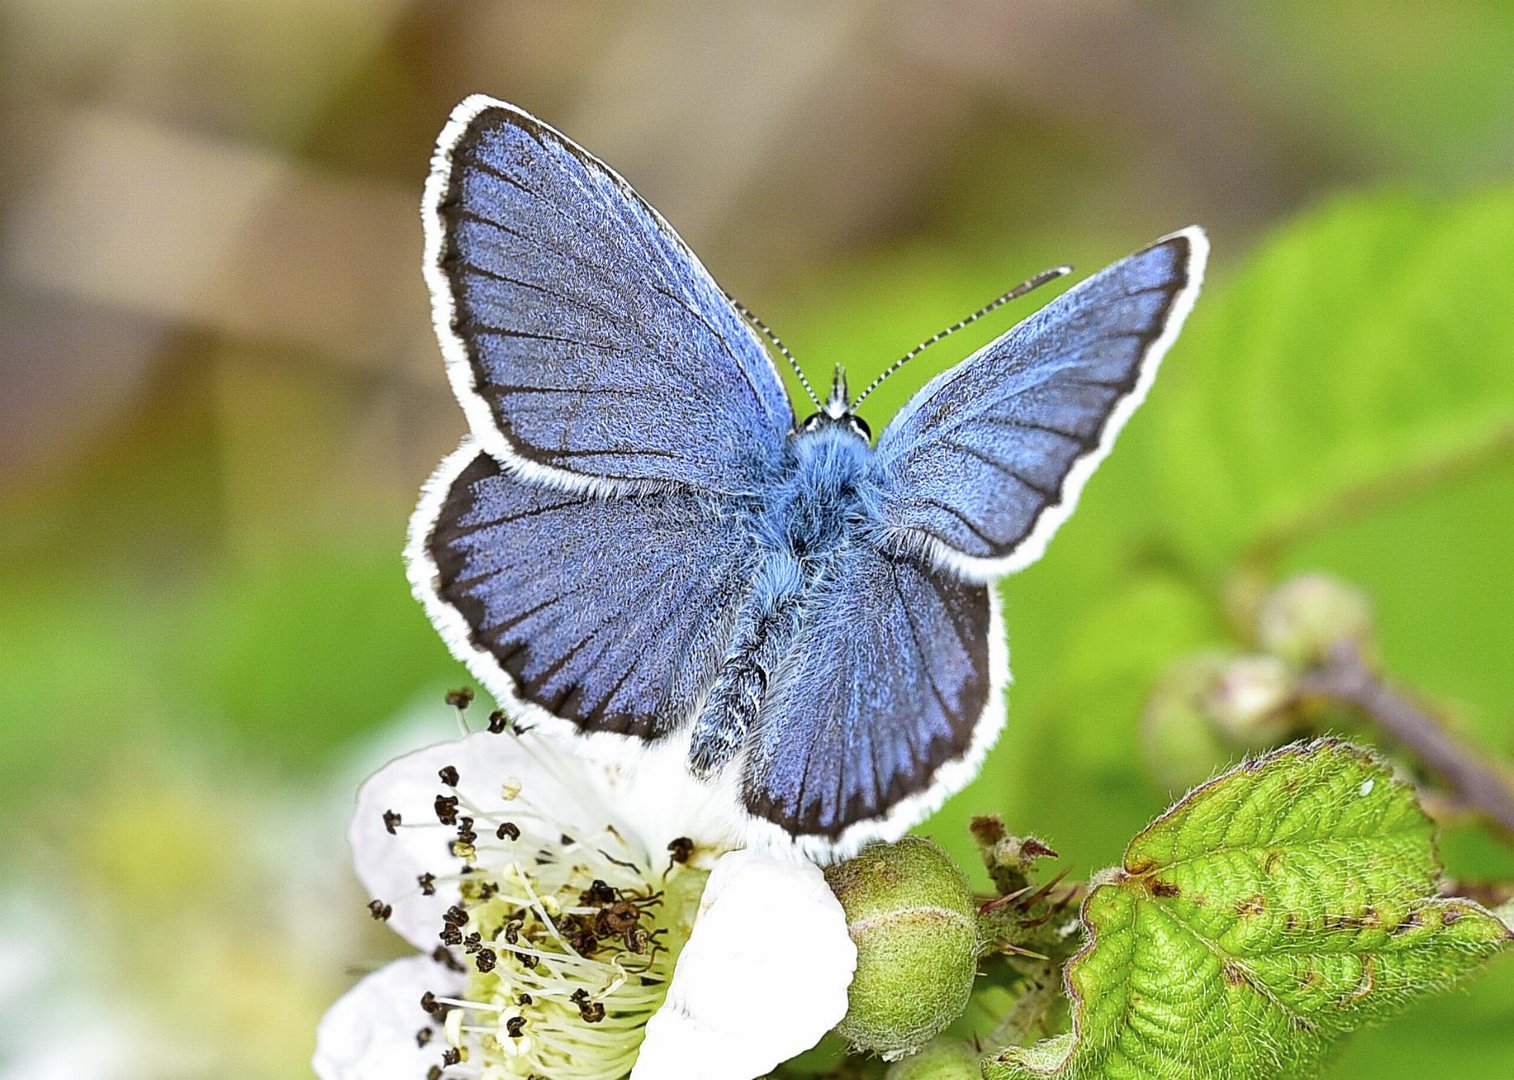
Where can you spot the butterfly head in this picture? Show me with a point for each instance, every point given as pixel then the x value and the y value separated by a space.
pixel 837 412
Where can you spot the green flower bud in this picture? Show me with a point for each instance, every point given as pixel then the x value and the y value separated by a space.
pixel 1248 701
pixel 914 921
pixel 949 1059
pixel 1305 616
pixel 1180 741
pixel 1208 706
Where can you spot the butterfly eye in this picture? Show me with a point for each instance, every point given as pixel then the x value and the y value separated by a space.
pixel 859 425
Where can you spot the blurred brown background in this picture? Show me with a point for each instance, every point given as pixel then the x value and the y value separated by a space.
pixel 209 208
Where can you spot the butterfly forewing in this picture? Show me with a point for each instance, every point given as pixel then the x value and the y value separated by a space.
pixel 585 340
pixel 988 459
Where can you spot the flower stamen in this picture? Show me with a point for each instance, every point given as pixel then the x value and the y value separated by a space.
pixel 566 937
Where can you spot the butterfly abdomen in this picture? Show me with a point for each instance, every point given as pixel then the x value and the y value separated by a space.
pixel 764 632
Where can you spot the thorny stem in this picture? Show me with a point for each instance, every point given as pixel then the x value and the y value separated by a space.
pixel 1026 1018
pixel 1346 677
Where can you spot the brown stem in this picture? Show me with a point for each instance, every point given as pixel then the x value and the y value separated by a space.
pixel 1490 894
pixel 1358 501
pixel 1347 678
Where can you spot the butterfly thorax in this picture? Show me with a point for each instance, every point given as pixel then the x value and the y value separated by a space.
pixel 828 492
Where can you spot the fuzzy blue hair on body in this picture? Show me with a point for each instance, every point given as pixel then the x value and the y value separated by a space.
pixel 825 500
pixel 638 539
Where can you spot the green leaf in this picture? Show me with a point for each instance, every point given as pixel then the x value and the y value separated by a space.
pixel 1366 344
pixel 1271 910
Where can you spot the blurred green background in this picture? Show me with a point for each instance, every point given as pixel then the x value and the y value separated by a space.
pixel 219 395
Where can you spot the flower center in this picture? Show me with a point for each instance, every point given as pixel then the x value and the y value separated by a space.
pixel 565 944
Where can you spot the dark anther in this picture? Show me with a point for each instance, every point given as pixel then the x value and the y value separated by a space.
pixel 452 1056
pixel 392 821
pixel 598 892
pixel 527 960
pixel 427 882
pixel 473 942
pixel 498 722
pixel 508 831
pixel 423 1036
pixel 512 931
pixel 460 698
pixel 515 1027
pixel 449 776
pixel 451 935
pixel 446 809
pixel 444 957
pixel 487 891
pixel 380 910
pixel 524 999
pixel 621 917
pixel 681 849
pixel 434 1073
pixel 485 960
pixel 465 831
pixel 591 1011
pixel 430 1004
pixel 565 840
pixel 455 916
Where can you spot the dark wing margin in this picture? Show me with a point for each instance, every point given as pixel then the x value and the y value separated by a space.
pixel 887 704
pixel 585 341
pixel 988 460
pixel 605 613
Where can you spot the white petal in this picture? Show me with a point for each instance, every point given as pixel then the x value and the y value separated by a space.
pixel 576 787
pixel 389 866
pixel 763 976
pixel 655 800
pixel 369 1034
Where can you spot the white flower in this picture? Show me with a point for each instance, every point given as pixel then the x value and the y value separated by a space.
pixel 568 904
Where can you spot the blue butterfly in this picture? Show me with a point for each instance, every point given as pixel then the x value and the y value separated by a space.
pixel 639 538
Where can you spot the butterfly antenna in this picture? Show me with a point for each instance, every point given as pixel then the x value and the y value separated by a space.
pixel 1014 294
pixel 778 344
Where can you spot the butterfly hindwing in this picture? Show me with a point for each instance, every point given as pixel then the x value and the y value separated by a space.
pixel 989 458
pixel 596 609
pixel 889 699
pixel 586 342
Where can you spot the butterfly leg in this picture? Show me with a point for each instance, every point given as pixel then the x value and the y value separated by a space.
pixel 764 632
